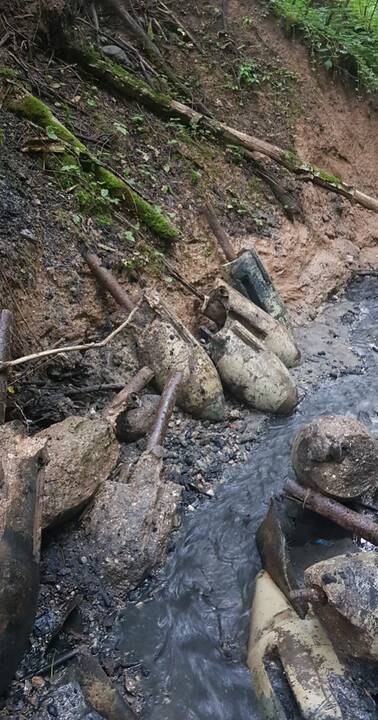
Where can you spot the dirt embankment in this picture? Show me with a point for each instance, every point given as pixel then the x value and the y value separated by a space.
pixel 283 100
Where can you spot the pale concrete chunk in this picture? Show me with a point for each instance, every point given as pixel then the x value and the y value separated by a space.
pixel 79 455
pixel 131 522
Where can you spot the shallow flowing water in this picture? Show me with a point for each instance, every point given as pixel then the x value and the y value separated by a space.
pixel 190 631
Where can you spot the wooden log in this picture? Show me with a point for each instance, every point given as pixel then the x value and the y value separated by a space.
pixel 5 335
pixel 126 84
pixel 165 409
pixel 336 455
pixel 346 518
pixel 20 529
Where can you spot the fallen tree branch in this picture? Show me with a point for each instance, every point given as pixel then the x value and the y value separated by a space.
pixel 130 87
pixel 71 348
pixel 5 335
pixel 165 409
pixel 109 282
pixel 220 234
pixel 332 510
pixel 34 110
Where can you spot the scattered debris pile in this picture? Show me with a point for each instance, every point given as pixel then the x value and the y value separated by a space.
pixel 54 474
pixel 309 649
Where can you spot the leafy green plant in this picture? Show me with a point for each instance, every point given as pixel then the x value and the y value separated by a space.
pixel 247 21
pixel 248 73
pixel 341 35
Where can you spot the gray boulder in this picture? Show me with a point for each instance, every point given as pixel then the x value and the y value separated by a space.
pixel 79 454
pixel 130 522
pixel 350 611
pixel 336 455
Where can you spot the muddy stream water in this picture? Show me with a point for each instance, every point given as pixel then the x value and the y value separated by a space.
pixel 189 631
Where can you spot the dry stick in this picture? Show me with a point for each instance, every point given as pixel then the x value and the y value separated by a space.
pixel 222 237
pixel 173 272
pixel 109 282
pixel 164 411
pixel 334 511
pixel 5 335
pixel 70 348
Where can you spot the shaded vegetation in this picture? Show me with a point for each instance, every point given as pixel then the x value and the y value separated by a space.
pixel 342 35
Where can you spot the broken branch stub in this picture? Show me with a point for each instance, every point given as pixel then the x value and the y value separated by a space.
pixel 21 483
pixel 164 412
pixel 351 520
pixel 5 335
pixel 221 236
pixel 118 406
pixel 106 279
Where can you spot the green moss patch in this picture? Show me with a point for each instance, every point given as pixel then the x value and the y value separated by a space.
pixel 111 188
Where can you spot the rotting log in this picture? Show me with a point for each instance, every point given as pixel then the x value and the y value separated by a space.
pixel 164 411
pixel 21 485
pixel 346 518
pixel 5 337
pixel 164 344
pixel 126 84
pixel 33 109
